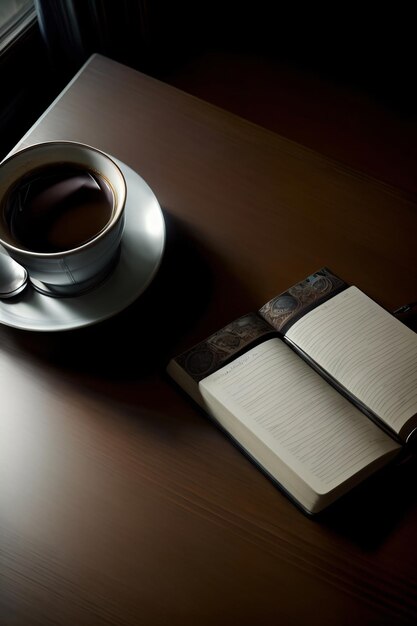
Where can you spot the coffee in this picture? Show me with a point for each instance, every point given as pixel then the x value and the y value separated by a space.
pixel 57 207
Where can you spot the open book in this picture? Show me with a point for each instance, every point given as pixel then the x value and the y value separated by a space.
pixel 318 387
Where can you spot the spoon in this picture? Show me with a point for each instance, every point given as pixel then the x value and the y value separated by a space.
pixel 13 277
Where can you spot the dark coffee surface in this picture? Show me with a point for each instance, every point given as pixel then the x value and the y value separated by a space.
pixel 58 207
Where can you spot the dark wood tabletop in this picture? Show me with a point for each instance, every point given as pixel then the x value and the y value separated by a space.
pixel 120 502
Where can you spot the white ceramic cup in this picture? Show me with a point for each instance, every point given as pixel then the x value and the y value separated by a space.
pixel 78 269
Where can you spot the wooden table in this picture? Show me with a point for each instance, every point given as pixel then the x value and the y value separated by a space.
pixel 120 503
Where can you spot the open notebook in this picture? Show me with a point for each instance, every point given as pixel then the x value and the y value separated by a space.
pixel 318 387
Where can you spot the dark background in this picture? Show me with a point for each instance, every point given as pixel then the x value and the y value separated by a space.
pixel 342 47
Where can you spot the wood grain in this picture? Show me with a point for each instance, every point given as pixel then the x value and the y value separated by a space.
pixel 120 502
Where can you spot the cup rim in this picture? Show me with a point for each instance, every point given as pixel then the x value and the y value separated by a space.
pixel 120 198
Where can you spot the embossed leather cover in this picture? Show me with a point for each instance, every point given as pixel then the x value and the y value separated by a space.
pixel 274 318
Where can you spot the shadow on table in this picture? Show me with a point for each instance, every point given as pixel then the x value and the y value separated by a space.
pixel 141 339
pixel 371 512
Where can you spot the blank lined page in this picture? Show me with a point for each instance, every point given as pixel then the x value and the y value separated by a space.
pixel 292 410
pixel 367 350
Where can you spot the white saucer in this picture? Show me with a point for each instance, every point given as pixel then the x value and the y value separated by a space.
pixel 140 256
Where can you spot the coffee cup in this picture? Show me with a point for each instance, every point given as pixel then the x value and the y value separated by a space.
pixel 62 215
